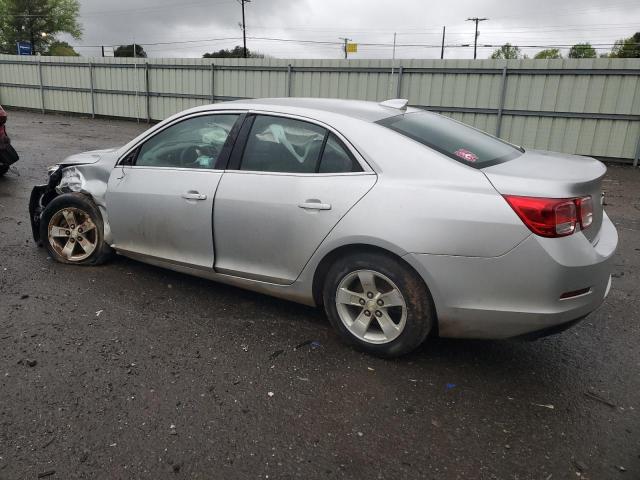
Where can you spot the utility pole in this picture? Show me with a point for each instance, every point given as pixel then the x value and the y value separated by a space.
pixel 475 40
pixel 244 29
pixel 102 47
pixel 444 28
pixel 346 40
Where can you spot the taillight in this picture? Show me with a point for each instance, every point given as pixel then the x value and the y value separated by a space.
pixel 552 217
pixel 585 208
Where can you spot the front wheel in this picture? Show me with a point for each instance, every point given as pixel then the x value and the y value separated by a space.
pixel 378 304
pixel 71 229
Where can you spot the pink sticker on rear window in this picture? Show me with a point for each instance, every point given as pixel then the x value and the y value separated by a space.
pixel 466 155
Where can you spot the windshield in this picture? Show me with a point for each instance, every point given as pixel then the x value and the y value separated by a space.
pixel 454 139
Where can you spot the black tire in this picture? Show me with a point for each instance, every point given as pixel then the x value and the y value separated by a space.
pixel 84 204
pixel 3 169
pixel 420 314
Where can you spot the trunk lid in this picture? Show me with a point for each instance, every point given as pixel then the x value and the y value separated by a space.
pixel 555 175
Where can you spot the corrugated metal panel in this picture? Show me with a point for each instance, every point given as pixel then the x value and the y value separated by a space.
pixel 540 97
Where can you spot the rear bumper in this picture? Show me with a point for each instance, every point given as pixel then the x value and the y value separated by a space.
pixel 519 292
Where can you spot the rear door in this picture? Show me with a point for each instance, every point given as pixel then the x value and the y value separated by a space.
pixel 160 197
pixel 288 184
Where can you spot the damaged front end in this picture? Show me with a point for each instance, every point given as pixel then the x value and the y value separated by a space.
pixel 61 180
pixel 82 173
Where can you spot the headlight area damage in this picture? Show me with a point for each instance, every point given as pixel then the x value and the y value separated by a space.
pixel 88 179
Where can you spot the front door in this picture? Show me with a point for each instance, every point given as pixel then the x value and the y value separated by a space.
pixel 160 201
pixel 291 185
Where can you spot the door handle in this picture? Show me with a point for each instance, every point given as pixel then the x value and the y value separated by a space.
pixel 194 196
pixel 314 205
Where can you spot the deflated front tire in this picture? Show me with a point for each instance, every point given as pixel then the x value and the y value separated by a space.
pixel 72 231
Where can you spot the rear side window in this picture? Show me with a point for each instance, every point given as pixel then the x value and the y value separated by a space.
pixel 454 139
pixel 336 158
pixel 286 145
pixel 278 144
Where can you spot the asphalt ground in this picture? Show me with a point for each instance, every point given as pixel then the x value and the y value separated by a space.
pixel 131 371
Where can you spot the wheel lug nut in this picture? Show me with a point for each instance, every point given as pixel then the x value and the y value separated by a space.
pixel 72 240
pixel 72 226
pixel 369 295
pixel 378 313
pixel 68 232
pixel 367 313
pixel 80 239
pixel 362 302
pixel 79 230
pixel 380 303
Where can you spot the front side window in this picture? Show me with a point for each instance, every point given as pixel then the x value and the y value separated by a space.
pixel 193 143
pixel 454 139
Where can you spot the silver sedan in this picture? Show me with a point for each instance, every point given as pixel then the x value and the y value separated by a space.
pixel 399 222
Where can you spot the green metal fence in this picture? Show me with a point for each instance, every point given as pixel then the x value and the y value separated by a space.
pixel 589 107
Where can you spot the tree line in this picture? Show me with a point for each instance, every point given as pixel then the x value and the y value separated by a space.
pixel 623 48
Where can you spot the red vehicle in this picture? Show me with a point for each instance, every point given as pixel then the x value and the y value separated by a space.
pixel 8 155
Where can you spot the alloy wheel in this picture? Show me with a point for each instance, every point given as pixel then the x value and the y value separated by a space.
pixel 371 306
pixel 72 234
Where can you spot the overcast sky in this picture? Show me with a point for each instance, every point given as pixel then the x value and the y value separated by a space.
pixel 214 24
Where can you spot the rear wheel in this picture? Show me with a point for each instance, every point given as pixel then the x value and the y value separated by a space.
pixel 378 304
pixel 3 169
pixel 71 228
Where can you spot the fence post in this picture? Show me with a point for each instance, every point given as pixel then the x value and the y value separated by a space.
pixel 289 77
pixel 399 86
pixel 636 157
pixel 93 101
pixel 503 96
pixel 41 85
pixel 146 90
pixel 213 83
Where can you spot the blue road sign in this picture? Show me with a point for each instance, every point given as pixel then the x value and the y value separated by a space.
pixel 24 48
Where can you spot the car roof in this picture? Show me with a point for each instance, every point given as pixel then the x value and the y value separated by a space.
pixel 359 109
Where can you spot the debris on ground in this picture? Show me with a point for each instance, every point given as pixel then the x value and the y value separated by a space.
pixel 46 473
pixel 549 406
pixel 315 344
pixel 579 466
pixel 99 312
pixel 172 430
pixel 275 354
pixel 24 297
pixel 31 362
pixel 598 398
pixel 303 344
pixel 270 394
pixel 449 386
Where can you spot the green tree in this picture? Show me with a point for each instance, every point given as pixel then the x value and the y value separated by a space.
pixel 627 47
pixel 61 49
pixel 582 50
pixel 548 53
pixel 127 51
pixel 37 21
pixel 507 52
pixel 235 52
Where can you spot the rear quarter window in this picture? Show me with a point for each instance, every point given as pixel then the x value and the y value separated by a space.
pixel 454 139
